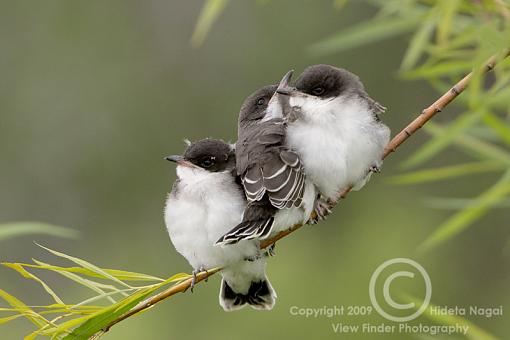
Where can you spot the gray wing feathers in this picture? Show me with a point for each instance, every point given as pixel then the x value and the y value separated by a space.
pixel 281 177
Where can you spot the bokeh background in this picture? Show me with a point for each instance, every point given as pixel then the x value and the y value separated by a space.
pixel 93 95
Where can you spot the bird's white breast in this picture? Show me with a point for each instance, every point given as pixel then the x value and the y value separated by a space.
pixel 204 206
pixel 337 140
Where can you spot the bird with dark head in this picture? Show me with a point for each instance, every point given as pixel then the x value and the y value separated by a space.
pixel 334 127
pixel 206 201
pixel 279 195
pixel 207 154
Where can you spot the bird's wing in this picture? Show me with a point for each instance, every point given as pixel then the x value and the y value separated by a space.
pixel 373 106
pixel 281 176
pixel 284 180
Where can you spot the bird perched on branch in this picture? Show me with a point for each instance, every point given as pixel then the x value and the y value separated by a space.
pixel 206 201
pixel 278 192
pixel 334 127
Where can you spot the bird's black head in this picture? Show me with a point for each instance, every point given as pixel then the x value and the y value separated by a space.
pixel 255 106
pixel 210 154
pixel 325 81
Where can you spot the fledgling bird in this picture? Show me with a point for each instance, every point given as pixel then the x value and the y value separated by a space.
pixel 278 192
pixel 335 128
pixel 206 201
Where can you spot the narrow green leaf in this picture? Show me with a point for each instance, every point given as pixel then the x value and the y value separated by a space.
pixel 472 144
pixel 35 318
pixel 210 12
pixel 442 69
pixel 365 33
pixel 91 282
pixel 470 214
pixel 96 322
pixel 65 327
pixel 19 268
pixel 452 203
pixel 501 127
pixel 441 141
pixel 87 265
pixel 119 274
pixel 418 43
pixel 100 320
pixel 437 174
pixel 13 229
pixel 448 9
pixel 84 282
pixel 85 303
pixel 10 318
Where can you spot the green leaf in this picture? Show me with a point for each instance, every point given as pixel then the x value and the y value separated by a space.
pixel 210 12
pixel 451 203
pixel 472 144
pixel 448 9
pixel 119 274
pixel 501 127
pixel 100 320
pixel 90 282
pixel 446 68
pixel 365 33
pixel 14 229
pixel 442 140
pixel 418 43
pixel 436 174
pixel 10 318
pixel 87 265
pixel 19 268
pixel 96 322
pixel 470 214
pixel 86 283
pixel 35 318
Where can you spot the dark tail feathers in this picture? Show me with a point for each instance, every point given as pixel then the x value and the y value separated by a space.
pixel 261 296
pixel 247 230
pixel 258 220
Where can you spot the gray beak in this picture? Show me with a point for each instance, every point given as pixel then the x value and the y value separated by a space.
pixel 174 158
pixel 283 87
pixel 180 161
pixel 284 83
pixel 274 107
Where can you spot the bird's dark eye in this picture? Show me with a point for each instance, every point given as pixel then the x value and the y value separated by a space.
pixel 207 162
pixel 261 101
pixel 318 90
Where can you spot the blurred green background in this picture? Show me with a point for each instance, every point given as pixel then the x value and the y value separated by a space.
pixel 93 95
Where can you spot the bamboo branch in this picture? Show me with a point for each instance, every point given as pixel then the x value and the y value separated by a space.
pixel 398 140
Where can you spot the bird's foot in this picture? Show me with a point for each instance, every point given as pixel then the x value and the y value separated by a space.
pixel 271 250
pixel 195 273
pixel 323 209
pixel 375 169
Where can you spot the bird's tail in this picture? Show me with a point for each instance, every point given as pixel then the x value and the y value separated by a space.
pixel 258 221
pixel 260 295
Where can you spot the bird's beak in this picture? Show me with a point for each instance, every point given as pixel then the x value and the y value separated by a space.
pixel 284 87
pixel 274 107
pixel 180 160
pixel 284 83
